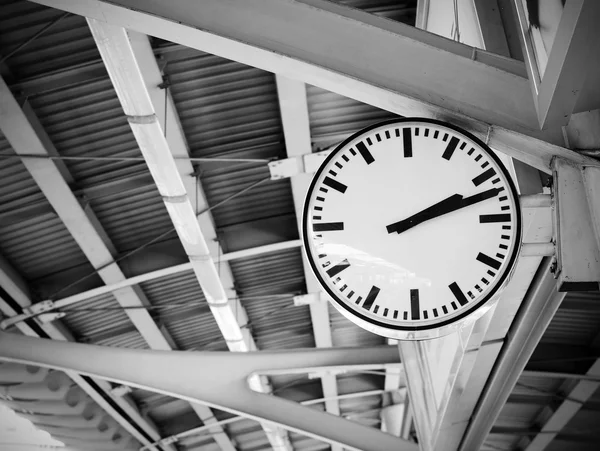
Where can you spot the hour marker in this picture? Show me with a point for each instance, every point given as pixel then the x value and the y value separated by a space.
pixel 322 255
pixel 495 181
pixel 369 141
pixel 503 246
pixel 323 190
pixel 450 148
pixel 398 132
pixel 344 288
pixel 484 280
pixel 345 158
pixel 328 226
pixel 470 152
pixel 458 294
pixel 424 314
pixel 504 217
pixel 385 311
pixel 320 199
pixel 445 138
pixel 331 183
pixel 338 164
pixel 470 295
pixel 319 208
pixel 407 140
pixel 358 299
pixel 371 298
pixel 316 218
pixel 485 164
pixel 505 227
pixel 436 134
pixel 395 314
pixel 364 152
pixel 502 198
pixel 376 309
pixel 505 207
pixel 491 273
pixel 435 313
pixel 487 260
pixel 426 132
pixel 335 270
pixel 484 176
pixel 500 255
pixel 353 152
pixel 415 310
pixel 387 134
pixel 478 288
pixel 378 137
pixel 333 173
pixel 453 304
pixel 350 294
pixel 478 157
pixel 417 131
pixel 405 316
pixel 505 237
pixel 445 309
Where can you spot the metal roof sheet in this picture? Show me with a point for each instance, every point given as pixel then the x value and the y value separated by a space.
pixel 186 315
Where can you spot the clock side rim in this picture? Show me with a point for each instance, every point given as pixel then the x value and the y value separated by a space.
pixel 504 277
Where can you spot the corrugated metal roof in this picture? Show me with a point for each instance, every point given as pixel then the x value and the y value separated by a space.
pixel 87 120
pixel 40 246
pixel 267 284
pixel 17 187
pixel 67 43
pixel 224 106
pixel 191 323
pixel 401 11
pixel 334 117
pixel 268 199
pixel 572 327
pixel 101 320
pixel 346 333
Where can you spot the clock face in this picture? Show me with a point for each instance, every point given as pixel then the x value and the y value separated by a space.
pixel 410 226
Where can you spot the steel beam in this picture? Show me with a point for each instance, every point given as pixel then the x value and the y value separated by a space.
pixel 536 312
pixel 14 297
pixel 573 48
pixel 261 33
pixel 25 135
pixel 294 117
pixel 135 75
pixel 218 379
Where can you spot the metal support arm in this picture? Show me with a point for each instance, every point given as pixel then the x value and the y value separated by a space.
pixel 218 379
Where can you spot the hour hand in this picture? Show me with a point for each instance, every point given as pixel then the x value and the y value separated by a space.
pixel 445 206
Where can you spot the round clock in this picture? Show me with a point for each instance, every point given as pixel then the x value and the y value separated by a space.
pixel 411 225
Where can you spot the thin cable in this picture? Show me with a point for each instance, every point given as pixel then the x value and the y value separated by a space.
pixel 92 158
pixel 154 240
pixel 457 25
pixel 546 392
pixel 34 37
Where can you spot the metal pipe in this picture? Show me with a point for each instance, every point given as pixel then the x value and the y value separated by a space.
pixel 536 201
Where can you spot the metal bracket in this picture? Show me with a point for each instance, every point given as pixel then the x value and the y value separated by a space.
pixel 576 220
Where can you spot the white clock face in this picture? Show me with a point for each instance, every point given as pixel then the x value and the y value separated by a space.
pixel 410 226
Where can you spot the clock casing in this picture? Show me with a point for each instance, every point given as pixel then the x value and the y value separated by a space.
pixel 412 226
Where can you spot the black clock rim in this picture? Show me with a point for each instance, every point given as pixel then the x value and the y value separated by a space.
pixel 436 325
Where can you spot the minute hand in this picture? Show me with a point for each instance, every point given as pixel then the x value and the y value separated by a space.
pixel 448 205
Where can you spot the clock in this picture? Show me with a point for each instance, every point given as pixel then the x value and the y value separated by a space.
pixel 412 226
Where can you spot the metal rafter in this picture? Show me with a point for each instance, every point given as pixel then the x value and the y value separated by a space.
pixel 134 72
pixel 26 135
pixel 296 128
pixel 260 33
pixel 15 288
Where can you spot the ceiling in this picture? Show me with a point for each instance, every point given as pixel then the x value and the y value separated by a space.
pixel 231 113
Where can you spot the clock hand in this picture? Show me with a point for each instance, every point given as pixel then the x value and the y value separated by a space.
pixel 448 205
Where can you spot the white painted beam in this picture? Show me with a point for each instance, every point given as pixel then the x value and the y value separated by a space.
pixel 26 136
pixel 16 288
pixel 296 128
pixel 135 75
pixel 260 33
pixel 573 48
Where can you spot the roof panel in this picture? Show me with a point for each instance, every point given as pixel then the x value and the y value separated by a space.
pixel 184 312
